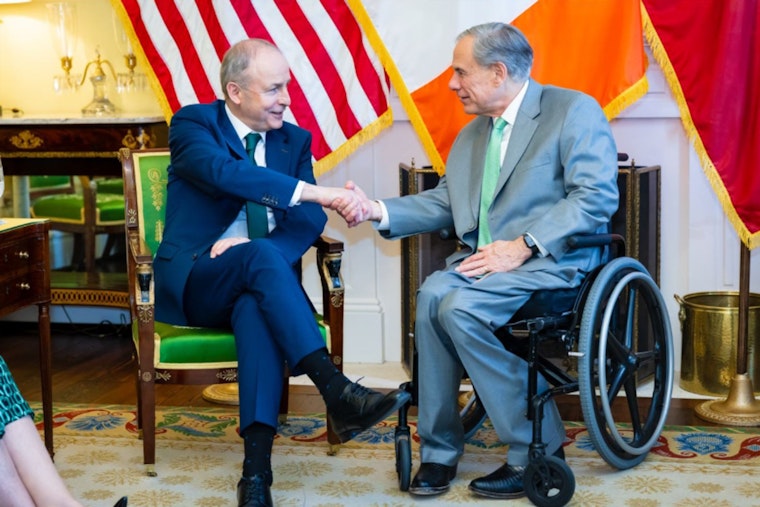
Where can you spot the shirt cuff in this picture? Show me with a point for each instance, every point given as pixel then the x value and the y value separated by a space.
pixel 296 199
pixel 384 224
pixel 542 252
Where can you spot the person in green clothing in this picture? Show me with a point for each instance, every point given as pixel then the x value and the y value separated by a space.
pixel 29 477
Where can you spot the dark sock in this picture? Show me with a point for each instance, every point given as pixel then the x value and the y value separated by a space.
pixel 257 441
pixel 328 379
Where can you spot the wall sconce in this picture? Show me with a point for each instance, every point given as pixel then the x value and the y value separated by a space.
pixel 131 80
pixel 62 16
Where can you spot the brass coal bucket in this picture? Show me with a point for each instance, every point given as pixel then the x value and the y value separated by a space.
pixel 709 331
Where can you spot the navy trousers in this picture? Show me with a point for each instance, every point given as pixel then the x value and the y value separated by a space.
pixel 254 290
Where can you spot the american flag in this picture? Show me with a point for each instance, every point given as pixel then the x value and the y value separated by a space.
pixel 339 89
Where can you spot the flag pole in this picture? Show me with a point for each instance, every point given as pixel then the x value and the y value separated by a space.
pixel 740 408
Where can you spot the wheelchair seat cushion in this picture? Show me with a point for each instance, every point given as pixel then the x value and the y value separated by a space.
pixel 547 302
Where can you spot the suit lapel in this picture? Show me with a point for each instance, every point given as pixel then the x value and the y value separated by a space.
pixel 522 132
pixel 278 151
pixel 228 131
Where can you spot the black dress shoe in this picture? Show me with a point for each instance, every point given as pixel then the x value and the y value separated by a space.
pixel 432 479
pixel 121 503
pixel 361 408
pixel 254 491
pixel 506 482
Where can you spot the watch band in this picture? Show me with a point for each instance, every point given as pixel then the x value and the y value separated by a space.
pixel 530 243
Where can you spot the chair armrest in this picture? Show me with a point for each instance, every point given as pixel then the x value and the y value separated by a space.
pixel 328 245
pixel 140 269
pixel 138 248
pixel 329 256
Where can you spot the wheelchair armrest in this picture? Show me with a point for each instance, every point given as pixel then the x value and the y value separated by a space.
pixel 614 241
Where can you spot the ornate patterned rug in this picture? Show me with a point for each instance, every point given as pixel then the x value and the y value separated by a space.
pixel 199 457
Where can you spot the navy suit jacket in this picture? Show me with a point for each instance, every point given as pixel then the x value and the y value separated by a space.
pixel 209 180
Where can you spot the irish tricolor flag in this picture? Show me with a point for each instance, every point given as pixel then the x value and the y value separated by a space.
pixel 594 46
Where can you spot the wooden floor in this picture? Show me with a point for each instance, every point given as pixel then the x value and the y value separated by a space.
pixel 94 365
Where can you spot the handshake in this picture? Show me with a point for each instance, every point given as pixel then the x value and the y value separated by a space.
pixel 350 202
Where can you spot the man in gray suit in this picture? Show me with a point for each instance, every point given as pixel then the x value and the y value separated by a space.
pixel 556 176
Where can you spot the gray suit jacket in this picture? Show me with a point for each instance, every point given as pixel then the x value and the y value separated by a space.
pixel 559 178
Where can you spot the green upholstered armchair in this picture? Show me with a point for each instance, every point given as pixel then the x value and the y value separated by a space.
pixel 96 208
pixel 192 355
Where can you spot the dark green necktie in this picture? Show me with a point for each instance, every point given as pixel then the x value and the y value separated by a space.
pixel 490 178
pixel 258 223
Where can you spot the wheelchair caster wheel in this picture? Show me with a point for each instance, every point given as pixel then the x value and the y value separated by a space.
pixel 549 482
pixel 403 459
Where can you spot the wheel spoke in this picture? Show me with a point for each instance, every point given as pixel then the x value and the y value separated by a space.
pixel 623 313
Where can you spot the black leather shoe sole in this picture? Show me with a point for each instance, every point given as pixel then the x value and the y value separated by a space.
pixel 429 490
pixel 432 479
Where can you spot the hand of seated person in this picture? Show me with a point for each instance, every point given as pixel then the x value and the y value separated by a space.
pixel 222 245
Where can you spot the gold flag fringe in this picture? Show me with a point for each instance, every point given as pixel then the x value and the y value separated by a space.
pixel 398 84
pixel 628 97
pixel 329 161
pixel 661 56
pixel 142 60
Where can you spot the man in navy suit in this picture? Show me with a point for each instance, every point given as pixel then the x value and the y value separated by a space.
pixel 212 270
pixel 555 175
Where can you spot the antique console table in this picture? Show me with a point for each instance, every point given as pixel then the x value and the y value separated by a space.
pixel 24 281
pixel 55 145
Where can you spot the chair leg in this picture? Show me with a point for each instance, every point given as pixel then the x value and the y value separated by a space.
pixel 77 252
pixel 147 419
pixel 89 252
pixel 109 246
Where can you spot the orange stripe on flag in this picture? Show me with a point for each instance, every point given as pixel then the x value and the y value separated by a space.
pixel 441 112
pixel 594 47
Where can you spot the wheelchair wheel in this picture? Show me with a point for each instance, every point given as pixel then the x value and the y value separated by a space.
pixel 625 342
pixel 549 483
pixel 472 413
pixel 403 459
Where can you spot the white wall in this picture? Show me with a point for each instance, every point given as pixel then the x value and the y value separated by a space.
pixel 699 248
pixel 28 60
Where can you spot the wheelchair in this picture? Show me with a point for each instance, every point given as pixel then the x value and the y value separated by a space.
pixel 608 340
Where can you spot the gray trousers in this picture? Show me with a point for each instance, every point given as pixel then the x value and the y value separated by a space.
pixel 455 320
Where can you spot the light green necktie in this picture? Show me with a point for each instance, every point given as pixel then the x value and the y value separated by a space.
pixel 490 178
pixel 258 223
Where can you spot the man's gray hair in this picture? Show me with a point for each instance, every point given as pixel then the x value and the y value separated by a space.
pixel 500 42
pixel 237 59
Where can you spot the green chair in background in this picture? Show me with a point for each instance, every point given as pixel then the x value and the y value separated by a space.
pixel 97 207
